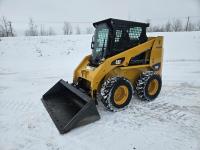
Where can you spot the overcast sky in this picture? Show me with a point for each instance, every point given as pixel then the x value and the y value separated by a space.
pixel 91 10
pixel 94 10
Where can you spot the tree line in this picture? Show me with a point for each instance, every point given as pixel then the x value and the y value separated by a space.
pixel 175 25
pixel 35 30
pixel 7 30
pixel 67 29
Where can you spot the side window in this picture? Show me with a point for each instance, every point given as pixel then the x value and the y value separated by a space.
pixel 126 38
pixel 119 41
pixel 140 59
pixel 135 32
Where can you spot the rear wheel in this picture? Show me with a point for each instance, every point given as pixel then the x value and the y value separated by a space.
pixel 116 93
pixel 148 85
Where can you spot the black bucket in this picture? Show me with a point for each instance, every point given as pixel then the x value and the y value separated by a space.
pixel 69 107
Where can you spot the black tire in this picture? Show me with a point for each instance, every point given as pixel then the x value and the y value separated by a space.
pixel 108 89
pixel 142 85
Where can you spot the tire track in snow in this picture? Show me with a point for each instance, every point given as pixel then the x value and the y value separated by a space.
pixel 163 109
pixel 139 113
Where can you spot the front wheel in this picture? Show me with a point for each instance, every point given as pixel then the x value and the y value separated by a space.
pixel 116 93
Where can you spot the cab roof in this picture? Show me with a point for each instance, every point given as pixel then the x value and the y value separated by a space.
pixel 111 22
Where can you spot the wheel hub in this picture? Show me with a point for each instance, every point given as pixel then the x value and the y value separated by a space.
pixel 153 87
pixel 121 95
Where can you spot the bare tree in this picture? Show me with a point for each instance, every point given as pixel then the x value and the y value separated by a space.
pixel 191 27
pixel 1 31
pixel 67 28
pixel 168 27
pixel 157 28
pixel 89 30
pixel 78 30
pixel 51 31
pixel 188 20
pixel 198 26
pixel 177 25
pixel 5 26
pixel 10 29
pixel 32 31
pixel 43 32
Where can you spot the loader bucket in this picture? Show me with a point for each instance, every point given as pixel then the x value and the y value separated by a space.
pixel 69 107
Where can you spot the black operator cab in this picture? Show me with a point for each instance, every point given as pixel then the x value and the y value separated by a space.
pixel 113 36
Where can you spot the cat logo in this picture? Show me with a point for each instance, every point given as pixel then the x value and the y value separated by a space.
pixel 118 61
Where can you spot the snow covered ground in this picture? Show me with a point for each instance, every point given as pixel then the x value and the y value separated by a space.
pixel 29 66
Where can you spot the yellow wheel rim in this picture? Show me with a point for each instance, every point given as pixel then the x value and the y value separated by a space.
pixel 153 87
pixel 121 95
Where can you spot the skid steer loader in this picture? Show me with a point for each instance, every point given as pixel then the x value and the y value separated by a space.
pixel 124 61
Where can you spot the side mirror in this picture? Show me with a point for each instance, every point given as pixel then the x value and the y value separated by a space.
pixel 92 43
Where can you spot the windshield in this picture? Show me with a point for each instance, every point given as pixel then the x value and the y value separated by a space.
pixel 100 41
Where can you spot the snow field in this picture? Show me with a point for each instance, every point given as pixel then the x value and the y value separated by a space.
pixel 29 66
